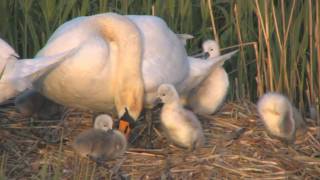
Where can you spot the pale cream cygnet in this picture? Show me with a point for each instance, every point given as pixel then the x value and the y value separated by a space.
pixel 102 142
pixel 211 93
pixel 279 116
pixel 181 126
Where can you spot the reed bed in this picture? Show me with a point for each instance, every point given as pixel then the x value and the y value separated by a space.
pixel 237 146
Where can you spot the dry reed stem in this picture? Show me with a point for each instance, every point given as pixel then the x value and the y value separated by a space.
pixel 215 34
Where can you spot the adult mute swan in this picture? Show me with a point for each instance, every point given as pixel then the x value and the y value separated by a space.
pixel 118 65
pixel 181 126
pixel 124 51
pixel 17 75
pixel 279 116
pixel 210 94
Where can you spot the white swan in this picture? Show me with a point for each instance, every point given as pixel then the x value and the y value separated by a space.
pixel 118 65
pixel 181 126
pixel 280 118
pixel 17 75
pixel 118 59
pixel 210 94
pixel 102 142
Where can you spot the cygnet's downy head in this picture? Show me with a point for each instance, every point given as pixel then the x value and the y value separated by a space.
pixel 167 93
pixel 211 47
pixel 103 122
pixel 276 112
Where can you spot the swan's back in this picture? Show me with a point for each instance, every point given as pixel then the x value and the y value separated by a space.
pixel 69 35
pixel 164 57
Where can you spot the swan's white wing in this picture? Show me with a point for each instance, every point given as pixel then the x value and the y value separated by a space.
pixel 164 56
pixel 184 37
pixel 21 74
pixel 6 53
pixel 6 50
pixel 200 69
pixel 221 59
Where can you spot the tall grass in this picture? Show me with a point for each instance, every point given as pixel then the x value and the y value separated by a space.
pixel 278 40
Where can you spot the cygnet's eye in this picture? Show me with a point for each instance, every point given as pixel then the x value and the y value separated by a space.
pixel 211 49
pixel 163 94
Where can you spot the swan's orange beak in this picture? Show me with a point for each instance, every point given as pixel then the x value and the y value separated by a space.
pixel 124 127
pixel 126 124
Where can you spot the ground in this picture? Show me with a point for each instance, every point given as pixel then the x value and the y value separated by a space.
pixel 237 147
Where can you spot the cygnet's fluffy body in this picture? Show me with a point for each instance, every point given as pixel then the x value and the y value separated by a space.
pixel 211 93
pixel 102 142
pixel 181 126
pixel 32 103
pixel 280 118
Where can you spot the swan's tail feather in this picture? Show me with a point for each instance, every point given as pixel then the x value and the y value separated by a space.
pixel 34 67
pixel 184 37
pixel 19 75
pixel 221 59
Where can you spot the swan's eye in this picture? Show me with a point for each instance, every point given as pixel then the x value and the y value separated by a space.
pixel 163 94
pixel 211 49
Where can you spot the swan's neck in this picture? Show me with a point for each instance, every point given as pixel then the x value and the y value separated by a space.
pixel 126 78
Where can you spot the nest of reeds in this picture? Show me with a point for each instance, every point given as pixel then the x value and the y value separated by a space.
pixel 237 147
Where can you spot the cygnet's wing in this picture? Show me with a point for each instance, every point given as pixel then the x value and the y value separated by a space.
pixel 184 37
pixel 21 74
pixel 192 120
pixel 106 145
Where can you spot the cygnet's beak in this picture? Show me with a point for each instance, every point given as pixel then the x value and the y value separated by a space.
pixel 126 123
pixel 157 101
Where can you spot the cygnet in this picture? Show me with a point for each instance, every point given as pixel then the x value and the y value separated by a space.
pixel 102 142
pixel 209 96
pixel 181 126
pixel 280 118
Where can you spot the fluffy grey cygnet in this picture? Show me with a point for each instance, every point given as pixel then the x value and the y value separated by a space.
pixel 181 126
pixel 102 142
pixel 31 103
pixel 279 116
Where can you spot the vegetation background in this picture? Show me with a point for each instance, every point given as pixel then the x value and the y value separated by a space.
pixel 278 39
pixel 279 46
